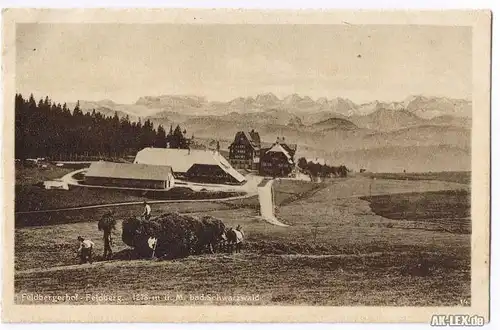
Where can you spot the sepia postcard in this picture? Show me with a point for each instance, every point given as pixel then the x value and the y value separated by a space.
pixel 223 165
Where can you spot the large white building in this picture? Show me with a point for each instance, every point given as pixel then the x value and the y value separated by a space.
pixel 143 176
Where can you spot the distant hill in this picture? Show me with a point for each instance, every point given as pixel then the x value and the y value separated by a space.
pixel 267 100
pixel 303 107
pixel 105 107
pixel 369 108
pixel 342 106
pixel 272 116
pixel 422 136
pixel 315 117
pixel 386 120
pixel 298 103
pixel 448 120
pixel 108 108
pixel 295 122
pixel 172 101
pixel 429 107
pixel 334 123
pixel 411 159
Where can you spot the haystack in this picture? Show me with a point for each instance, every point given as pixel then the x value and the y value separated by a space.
pixel 177 235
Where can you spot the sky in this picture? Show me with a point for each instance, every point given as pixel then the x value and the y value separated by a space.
pixel 123 62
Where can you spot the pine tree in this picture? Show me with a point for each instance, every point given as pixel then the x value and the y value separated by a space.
pixel 161 140
pixel 45 129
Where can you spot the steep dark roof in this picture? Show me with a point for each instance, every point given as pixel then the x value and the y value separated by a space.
pixel 289 147
pixel 280 148
pixel 252 137
pixel 251 140
pixel 255 136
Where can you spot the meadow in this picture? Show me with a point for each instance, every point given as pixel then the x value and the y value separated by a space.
pixel 459 177
pixel 447 210
pixel 346 245
pixel 31 196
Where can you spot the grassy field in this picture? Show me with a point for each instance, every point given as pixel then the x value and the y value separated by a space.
pixel 28 176
pixel 459 177
pixel 275 279
pixel 447 210
pixel 286 191
pixel 30 196
pixel 337 251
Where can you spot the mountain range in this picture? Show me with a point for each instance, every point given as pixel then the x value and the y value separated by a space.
pixel 191 105
pixel 335 129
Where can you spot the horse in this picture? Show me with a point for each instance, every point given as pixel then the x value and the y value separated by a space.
pixel 211 234
pixel 234 239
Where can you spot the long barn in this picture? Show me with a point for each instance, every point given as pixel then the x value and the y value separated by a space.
pixel 193 165
pixel 129 175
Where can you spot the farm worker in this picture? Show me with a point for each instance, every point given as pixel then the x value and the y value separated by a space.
pixel 85 250
pixel 147 211
pixel 238 228
pixel 107 224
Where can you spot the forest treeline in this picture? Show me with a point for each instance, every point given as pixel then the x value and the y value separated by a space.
pixel 319 170
pixel 47 129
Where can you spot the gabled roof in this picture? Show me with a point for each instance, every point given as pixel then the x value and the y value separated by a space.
pixel 291 147
pixel 249 138
pixel 128 171
pixel 252 137
pixel 181 160
pixel 279 148
pixel 255 136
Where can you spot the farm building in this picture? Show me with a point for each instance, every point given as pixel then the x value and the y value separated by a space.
pixel 244 152
pixel 289 147
pixel 129 175
pixel 276 161
pixel 194 165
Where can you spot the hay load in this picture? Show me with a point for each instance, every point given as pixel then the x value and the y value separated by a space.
pixel 176 235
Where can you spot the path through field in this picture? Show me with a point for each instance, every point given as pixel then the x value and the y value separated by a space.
pixel 267 204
